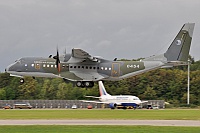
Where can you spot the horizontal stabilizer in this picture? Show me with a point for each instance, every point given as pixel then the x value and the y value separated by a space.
pixel 144 101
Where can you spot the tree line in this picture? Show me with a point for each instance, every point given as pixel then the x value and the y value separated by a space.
pixel 161 84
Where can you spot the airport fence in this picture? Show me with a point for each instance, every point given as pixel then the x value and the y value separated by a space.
pixel 69 103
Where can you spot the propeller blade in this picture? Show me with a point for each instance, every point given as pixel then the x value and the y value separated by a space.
pixel 57 60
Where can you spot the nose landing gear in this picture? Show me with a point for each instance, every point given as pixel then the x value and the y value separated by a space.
pixel 21 80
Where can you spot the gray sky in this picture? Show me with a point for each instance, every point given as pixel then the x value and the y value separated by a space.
pixel 109 28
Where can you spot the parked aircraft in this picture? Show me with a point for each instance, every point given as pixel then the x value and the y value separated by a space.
pixel 123 101
pixel 84 69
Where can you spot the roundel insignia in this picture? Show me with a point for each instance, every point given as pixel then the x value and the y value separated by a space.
pixel 178 42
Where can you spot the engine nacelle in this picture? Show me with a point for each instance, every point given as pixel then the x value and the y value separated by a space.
pixel 112 105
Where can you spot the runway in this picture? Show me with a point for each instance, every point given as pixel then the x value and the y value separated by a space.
pixel 191 123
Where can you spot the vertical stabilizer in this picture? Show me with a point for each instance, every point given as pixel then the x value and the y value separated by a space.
pixel 102 89
pixel 180 47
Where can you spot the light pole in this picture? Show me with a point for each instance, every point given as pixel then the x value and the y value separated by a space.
pixel 188 90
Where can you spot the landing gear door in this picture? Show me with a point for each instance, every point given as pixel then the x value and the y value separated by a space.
pixel 115 70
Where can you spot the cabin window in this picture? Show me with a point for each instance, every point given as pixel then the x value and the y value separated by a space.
pixel 94 67
pixel 83 67
pixel 79 66
pixel 70 66
pixel 74 66
pixel 86 67
pixel 106 68
pixel 97 67
pixel 109 68
pixel 48 65
pixel 26 65
pixel 90 67
pixel 44 65
pixel 55 66
pixel 101 68
pixel 63 66
pixel 52 66
pixel 32 65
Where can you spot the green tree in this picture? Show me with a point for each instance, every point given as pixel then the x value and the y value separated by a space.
pixel 27 90
pixel 4 79
pixel 2 94
pixel 150 93
pixel 47 91
pixel 62 91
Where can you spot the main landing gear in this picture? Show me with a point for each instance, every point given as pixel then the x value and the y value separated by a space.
pixel 83 84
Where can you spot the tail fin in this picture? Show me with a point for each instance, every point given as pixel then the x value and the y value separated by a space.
pixel 102 89
pixel 180 47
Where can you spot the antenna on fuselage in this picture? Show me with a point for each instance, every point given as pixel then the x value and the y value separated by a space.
pixel 65 51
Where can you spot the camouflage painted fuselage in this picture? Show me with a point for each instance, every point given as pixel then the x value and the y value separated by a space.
pixel 81 66
pixel 104 70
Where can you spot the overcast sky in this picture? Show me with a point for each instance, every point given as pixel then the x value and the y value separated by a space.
pixel 109 28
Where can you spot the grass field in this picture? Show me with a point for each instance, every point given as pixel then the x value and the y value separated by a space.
pixel 97 129
pixel 174 114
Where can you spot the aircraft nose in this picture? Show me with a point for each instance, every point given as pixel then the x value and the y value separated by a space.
pixel 10 67
pixel 7 68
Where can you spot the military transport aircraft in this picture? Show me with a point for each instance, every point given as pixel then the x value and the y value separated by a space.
pixel 124 101
pixel 84 69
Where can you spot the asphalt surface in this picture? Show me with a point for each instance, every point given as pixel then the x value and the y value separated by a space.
pixel 191 123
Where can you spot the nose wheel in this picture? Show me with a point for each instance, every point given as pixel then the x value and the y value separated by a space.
pixel 21 80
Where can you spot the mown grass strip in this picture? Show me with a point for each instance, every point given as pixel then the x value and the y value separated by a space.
pixel 96 129
pixel 183 114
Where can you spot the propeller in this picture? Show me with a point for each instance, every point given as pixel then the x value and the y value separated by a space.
pixel 57 60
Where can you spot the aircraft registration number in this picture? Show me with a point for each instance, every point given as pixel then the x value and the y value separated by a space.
pixel 133 66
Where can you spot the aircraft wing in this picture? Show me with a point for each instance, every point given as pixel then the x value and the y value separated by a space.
pixel 85 101
pixel 89 75
pixel 79 55
pixel 92 97
pixel 117 103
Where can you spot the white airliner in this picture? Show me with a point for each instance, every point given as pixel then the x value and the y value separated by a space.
pixel 124 101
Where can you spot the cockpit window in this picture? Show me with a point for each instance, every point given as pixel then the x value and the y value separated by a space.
pixel 136 98
pixel 17 61
pixel 21 61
